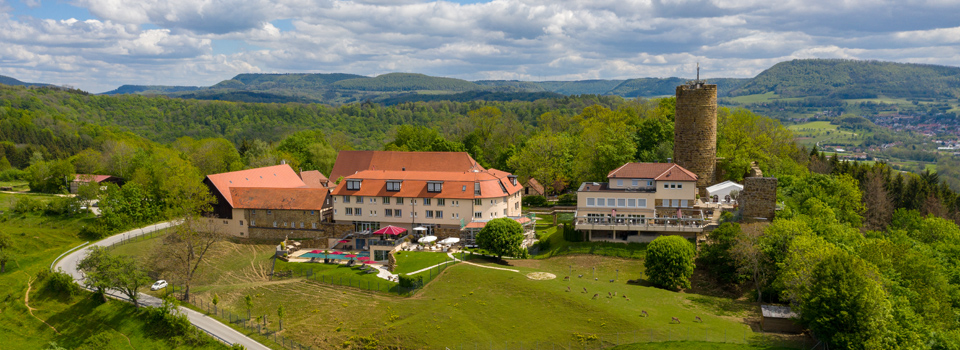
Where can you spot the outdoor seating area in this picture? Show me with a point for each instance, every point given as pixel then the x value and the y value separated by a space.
pixel 430 244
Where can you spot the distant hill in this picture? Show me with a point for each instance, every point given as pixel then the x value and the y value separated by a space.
pixel 847 79
pixel 815 78
pixel 468 96
pixel 12 81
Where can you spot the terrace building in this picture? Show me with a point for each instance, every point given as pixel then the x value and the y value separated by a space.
pixel 639 202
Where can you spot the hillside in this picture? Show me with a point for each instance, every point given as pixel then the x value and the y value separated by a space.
pixel 149 89
pixel 848 79
pixel 406 82
pixel 13 81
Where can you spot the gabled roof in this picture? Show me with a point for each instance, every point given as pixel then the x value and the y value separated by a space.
pixel 278 198
pixel 277 176
pixel 314 179
pixel 458 185
pixel 535 185
pixel 351 162
pixel 656 171
pixel 90 177
pixel 724 185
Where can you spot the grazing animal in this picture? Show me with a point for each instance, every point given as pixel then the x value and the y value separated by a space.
pixel 698 319
pixel 581 276
pixel 674 319
pixel 643 313
pixel 628 299
pixel 584 289
pixel 609 295
pixel 595 296
pixel 614 293
pixel 596 279
pixel 566 278
pixel 611 281
pixel 568 288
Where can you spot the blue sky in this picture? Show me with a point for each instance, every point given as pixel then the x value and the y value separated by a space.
pixel 97 45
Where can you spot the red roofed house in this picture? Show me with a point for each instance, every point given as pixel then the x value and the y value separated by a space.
pixel 533 188
pixel 269 203
pixel 80 179
pixel 352 162
pixel 639 202
pixel 449 201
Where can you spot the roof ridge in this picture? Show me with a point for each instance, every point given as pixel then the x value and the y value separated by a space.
pixel 618 169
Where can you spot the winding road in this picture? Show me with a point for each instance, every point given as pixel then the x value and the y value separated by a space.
pixel 216 329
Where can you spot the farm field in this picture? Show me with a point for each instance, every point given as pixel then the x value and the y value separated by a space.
pixel 473 306
pixel 822 132
pixel 761 98
pixel 32 317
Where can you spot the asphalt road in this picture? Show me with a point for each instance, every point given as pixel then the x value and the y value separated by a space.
pixel 216 329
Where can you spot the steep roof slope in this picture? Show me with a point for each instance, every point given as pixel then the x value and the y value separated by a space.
pixel 277 176
pixel 351 162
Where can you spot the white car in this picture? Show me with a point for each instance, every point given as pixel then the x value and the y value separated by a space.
pixel 161 284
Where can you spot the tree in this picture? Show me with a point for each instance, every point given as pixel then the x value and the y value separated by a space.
pixel 846 304
pixel 97 270
pixel 50 177
pixel 501 236
pixel 6 243
pixel 215 301
pixel 546 157
pixel 879 208
pixel 280 313
pixel 751 258
pixel 185 248
pixel 128 276
pixel 248 302
pixel 669 262
pixel 717 256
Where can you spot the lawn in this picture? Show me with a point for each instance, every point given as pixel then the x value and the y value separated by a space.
pixel 694 345
pixel 72 322
pixel 16 185
pixel 825 133
pixel 408 262
pixel 559 246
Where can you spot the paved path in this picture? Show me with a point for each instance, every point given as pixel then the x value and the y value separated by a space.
pixel 216 329
pixel 478 265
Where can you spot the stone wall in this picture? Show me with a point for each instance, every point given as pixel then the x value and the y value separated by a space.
pixel 299 224
pixel 758 198
pixel 695 132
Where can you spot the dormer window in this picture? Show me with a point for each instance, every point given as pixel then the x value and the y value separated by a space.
pixel 434 186
pixel 513 180
pixel 476 188
pixel 393 186
pixel 353 185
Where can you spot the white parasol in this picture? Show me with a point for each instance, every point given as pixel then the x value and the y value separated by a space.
pixel 428 239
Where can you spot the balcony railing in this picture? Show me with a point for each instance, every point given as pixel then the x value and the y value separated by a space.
pixel 662 223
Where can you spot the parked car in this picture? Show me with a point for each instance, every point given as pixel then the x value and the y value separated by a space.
pixel 161 284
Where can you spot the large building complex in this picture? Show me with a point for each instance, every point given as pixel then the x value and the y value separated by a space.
pixel 639 202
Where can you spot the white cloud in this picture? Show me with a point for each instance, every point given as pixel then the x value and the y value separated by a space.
pixel 173 41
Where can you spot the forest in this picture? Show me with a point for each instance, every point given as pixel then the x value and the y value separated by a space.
pixel 868 255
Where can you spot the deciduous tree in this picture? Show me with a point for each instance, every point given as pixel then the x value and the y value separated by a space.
pixel 669 262
pixel 501 236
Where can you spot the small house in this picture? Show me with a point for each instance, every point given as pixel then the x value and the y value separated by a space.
pixel 533 188
pixel 80 179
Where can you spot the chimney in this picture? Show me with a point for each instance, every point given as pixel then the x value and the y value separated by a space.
pixel 669 160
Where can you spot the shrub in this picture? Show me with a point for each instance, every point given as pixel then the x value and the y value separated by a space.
pixel 59 283
pixel 12 174
pixel 93 232
pixel 567 199
pixel 534 201
pixel 669 262
pixel 502 236
pixel 411 282
pixel 64 206
pixel 26 204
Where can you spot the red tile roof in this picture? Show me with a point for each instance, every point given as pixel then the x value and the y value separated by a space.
pixel 482 224
pixel 314 179
pixel 89 177
pixel 536 186
pixel 656 171
pixel 278 198
pixel 351 162
pixel 414 184
pixel 277 176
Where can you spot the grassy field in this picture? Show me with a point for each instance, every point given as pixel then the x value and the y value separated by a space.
pixel 694 345
pixel 16 185
pixel 408 262
pixel 31 317
pixel 811 133
pixel 472 306
pixel 761 98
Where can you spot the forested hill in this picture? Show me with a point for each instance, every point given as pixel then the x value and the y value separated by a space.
pixel 149 89
pixel 847 79
pixel 13 81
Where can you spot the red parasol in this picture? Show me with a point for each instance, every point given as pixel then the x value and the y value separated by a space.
pixel 337 253
pixel 351 255
pixel 390 230
pixel 344 241
pixel 317 251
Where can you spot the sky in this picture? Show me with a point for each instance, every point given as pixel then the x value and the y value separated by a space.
pixel 98 45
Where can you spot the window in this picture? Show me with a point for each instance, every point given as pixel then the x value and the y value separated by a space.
pixel 427 201
pixel 464 189
pixel 359 199
pixel 397 213
pixel 441 201
pixel 241 222
pixel 666 185
pixel 253 212
pixel 502 187
pixel 269 212
pixel 274 224
pixel 439 214
pixel 349 211
pixel 476 188
pixel 591 202
pixel 631 202
pixel 393 186
pixel 673 185
pixel 642 203
pixel 513 180
pixel 388 212
pixel 357 211
pixel 611 202
pixel 683 203
pixel 386 200
pixel 253 223
pixel 680 185
pixel 353 185
pixel 429 214
pixel 312 212
pixel 635 182
pixel 346 199
pixel 478 201
pixel 650 183
pixel 504 212
pixel 301 224
pixel 621 202
pixel 313 225
pixel 434 186
pixel 373 200
pixel 400 200
pixel 619 183
pixel 456 215
pixel 675 202
pixel 477 215
pixel 225 222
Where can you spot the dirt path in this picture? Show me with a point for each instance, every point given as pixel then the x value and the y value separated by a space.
pixel 26 302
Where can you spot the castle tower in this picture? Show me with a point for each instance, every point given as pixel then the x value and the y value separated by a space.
pixel 695 131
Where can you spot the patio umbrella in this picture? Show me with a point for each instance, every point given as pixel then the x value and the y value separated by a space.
pixel 337 253
pixel 449 240
pixel 351 255
pixel 315 251
pixel 344 241
pixel 390 230
pixel 428 239
pixel 419 228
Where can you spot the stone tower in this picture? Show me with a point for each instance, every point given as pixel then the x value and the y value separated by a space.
pixel 695 131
